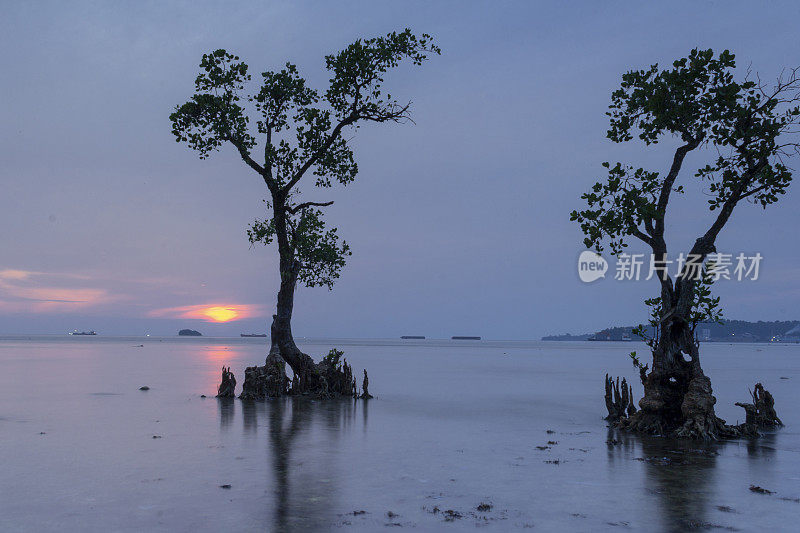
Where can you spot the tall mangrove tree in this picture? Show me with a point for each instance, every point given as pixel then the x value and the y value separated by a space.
pixel 288 133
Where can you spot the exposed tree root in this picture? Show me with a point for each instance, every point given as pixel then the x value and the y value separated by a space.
pixel 268 381
pixel 619 402
pixel 330 378
pixel 695 419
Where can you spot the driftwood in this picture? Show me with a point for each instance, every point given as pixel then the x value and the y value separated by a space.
pixel 227 388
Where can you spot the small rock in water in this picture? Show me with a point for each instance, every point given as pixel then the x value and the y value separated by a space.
pixel 760 490
pixel 784 377
pixel 390 514
pixel 225 486
pixel 356 513
pixel 484 507
pixel 145 387
pixel 202 395
pixel 156 436
pixel 726 509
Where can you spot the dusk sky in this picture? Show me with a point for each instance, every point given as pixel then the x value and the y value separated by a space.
pixel 459 224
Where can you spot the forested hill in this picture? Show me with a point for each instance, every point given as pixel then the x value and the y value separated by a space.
pixel 727 331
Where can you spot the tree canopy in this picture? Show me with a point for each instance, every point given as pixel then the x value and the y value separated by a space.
pixel 297 131
pixel 747 125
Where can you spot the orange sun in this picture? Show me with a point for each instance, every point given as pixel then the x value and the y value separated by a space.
pixel 211 312
pixel 220 314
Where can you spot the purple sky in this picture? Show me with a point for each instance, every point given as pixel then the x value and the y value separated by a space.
pixel 459 224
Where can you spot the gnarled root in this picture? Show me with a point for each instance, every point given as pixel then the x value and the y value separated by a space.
pixel 643 422
pixel 336 375
pixel 695 419
pixel 265 381
pixel 697 408
pixel 330 378
pixel 703 426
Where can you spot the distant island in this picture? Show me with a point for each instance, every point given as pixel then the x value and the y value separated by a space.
pixel 189 333
pixel 412 336
pixel 252 334
pixel 727 331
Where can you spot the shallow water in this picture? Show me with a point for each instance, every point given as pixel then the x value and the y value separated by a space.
pixel 455 424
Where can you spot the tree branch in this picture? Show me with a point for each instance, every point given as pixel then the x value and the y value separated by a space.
pixel 300 207
pixel 245 155
pixel 669 181
pixel 705 243
pixel 351 118
pixel 267 161
pixel 642 236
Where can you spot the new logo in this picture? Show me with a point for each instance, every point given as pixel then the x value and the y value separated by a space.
pixel 591 266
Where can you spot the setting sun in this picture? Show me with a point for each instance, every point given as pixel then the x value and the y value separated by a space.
pixel 221 314
pixel 211 312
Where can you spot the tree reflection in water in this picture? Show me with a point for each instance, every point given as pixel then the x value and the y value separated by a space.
pixel 680 474
pixel 303 439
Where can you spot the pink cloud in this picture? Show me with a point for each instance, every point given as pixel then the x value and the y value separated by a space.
pixel 39 292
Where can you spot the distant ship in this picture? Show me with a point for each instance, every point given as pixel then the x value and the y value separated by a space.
pixel 412 337
pixel 626 337
pixel 252 334
pixel 76 332
pixel 459 338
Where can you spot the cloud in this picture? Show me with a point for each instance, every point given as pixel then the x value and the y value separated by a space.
pixel 28 291
pixel 9 274
pixel 24 291
pixel 211 312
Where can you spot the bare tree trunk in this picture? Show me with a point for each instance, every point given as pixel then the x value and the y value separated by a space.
pixel 327 378
pixel 282 341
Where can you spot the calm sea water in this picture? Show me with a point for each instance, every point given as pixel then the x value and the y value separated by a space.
pixel 454 425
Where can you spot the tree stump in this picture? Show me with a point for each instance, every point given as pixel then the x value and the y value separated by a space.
pixel 761 413
pixel 365 395
pixel 227 388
